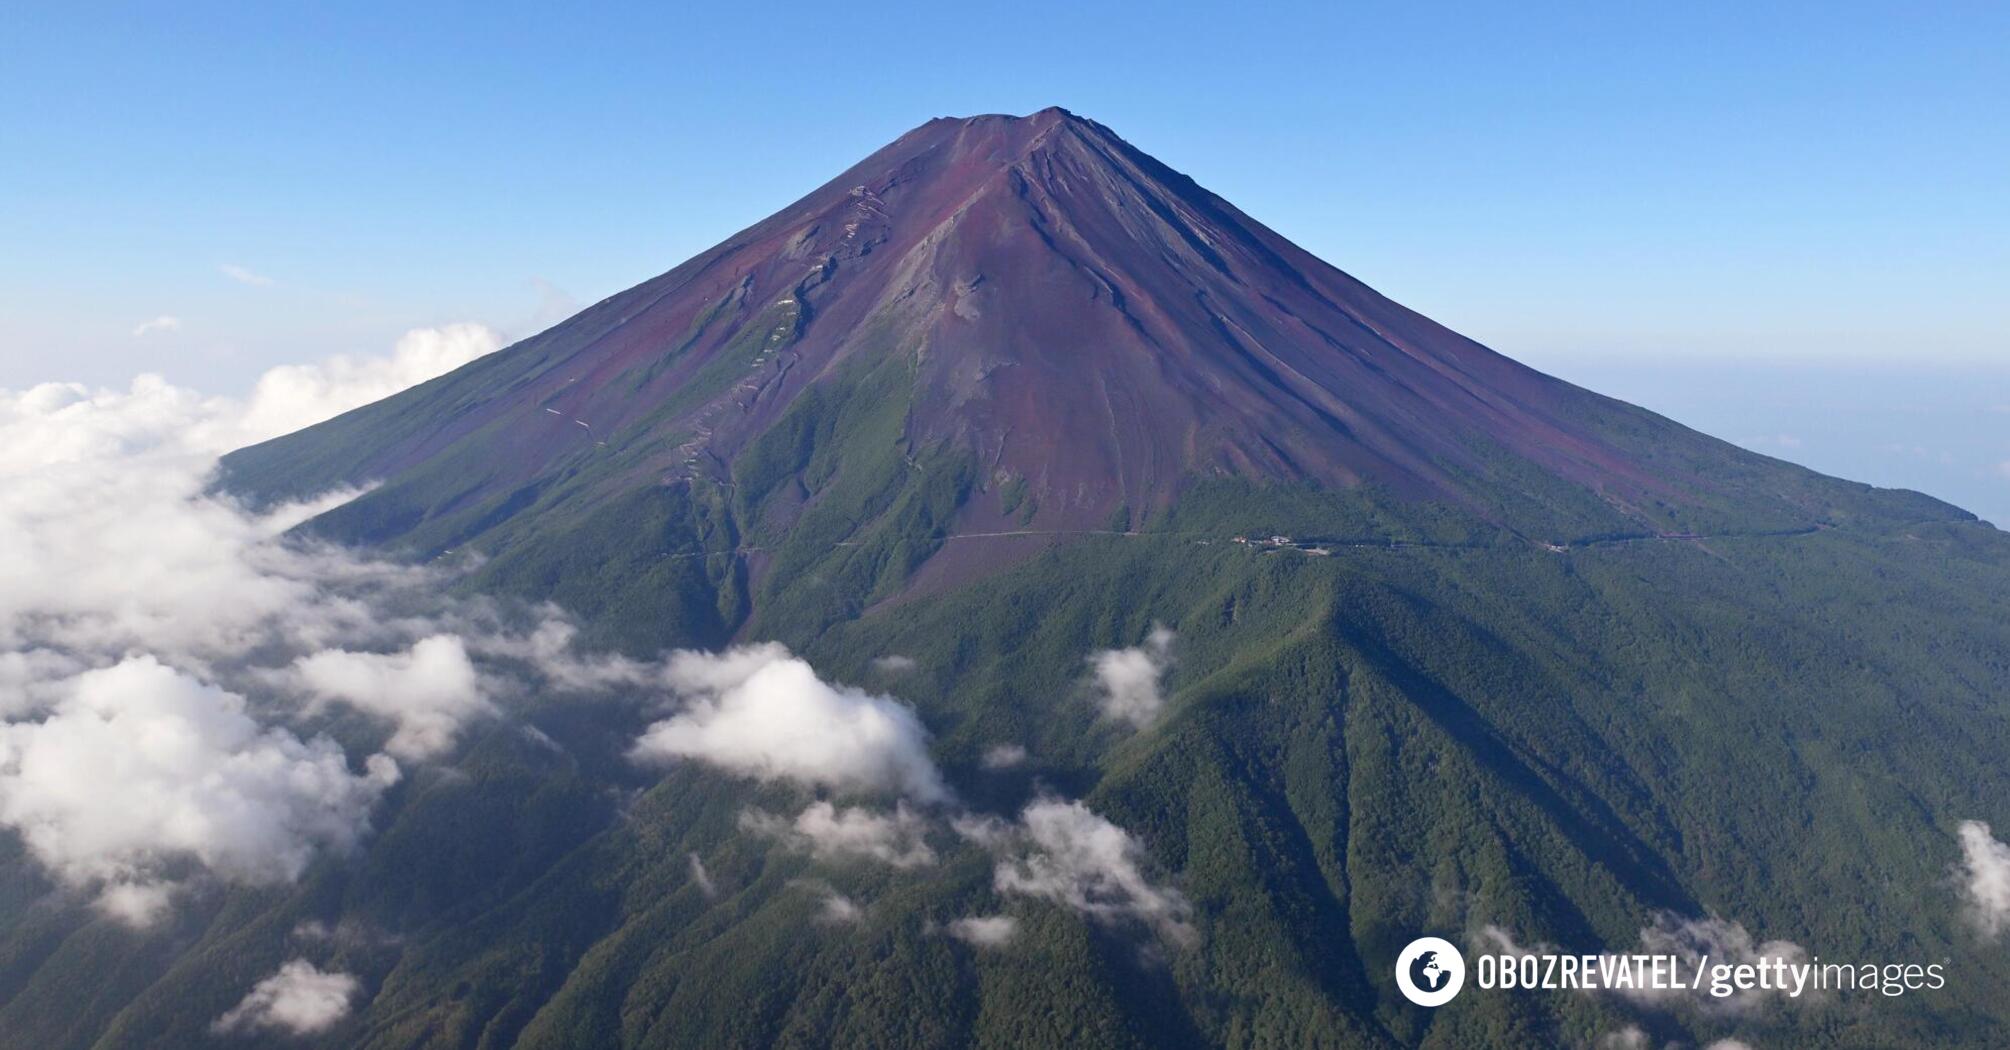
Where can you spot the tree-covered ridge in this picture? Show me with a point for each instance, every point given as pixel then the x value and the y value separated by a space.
pixel 1357 748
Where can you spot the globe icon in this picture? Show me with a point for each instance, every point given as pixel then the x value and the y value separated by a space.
pixel 1427 974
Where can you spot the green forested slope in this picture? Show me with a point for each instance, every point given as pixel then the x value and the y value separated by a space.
pixel 1780 730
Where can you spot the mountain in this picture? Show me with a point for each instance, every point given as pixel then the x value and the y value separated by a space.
pixel 1524 662
pixel 1056 334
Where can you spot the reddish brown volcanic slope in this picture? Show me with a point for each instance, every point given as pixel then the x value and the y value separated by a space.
pixel 1083 317
pixel 1075 318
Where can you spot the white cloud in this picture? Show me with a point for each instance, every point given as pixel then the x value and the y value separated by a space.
pixel 103 561
pixel 429 691
pixel 548 649
pixel 301 999
pixel 136 610
pixel 293 396
pixel 761 712
pixel 346 933
pixel 893 664
pixel 1689 942
pixel 839 909
pixel 1499 941
pixel 153 638
pixel 1631 1037
pixel 1723 942
pixel 1985 867
pixel 1729 1044
pixel 243 276
pixel 163 323
pixel 702 878
pixel 137 904
pixel 1078 859
pixel 985 830
pixel 1003 756
pixel 33 680
pixel 140 766
pixel 702 674
pixel 1128 679
pixel 114 543
pixel 899 839
pixel 985 931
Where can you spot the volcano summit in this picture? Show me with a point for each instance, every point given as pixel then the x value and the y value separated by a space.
pixel 1028 308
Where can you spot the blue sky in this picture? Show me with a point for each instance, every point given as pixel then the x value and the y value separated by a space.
pixel 1675 190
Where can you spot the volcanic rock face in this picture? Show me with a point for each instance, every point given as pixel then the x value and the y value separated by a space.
pixel 1077 328
pixel 1078 315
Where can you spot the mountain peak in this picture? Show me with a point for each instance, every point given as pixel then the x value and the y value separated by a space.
pixel 1075 332
pixel 1042 117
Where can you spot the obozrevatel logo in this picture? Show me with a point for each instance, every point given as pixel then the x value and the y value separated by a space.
pixel 1430 971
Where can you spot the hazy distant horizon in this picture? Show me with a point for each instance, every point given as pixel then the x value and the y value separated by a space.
pixel 1943 430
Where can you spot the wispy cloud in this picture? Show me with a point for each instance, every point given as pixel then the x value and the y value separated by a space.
pixel 1003 756
pixel 837 909
pixel 898 839
pixel 1689 940
pixel 1066 853
pixel 702 878
pixel 244 276
pixel 1631 1037
pixel 163 323
pixel 893 664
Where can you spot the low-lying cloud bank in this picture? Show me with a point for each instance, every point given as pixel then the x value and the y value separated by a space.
pixel 138 735
pixel 140 765
pixel 167 657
